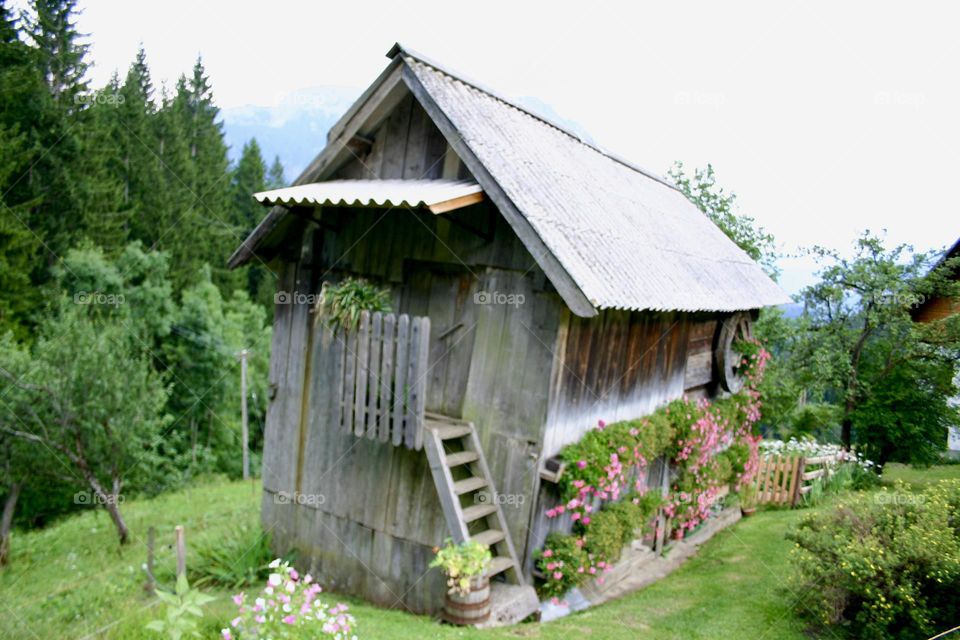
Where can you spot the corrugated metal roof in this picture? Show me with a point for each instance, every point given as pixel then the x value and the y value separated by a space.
pixel 437 195
pixel 627 239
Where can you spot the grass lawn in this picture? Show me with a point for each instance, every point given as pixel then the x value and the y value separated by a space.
pixel 72 580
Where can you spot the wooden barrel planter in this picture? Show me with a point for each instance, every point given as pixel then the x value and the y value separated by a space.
pixel 469 609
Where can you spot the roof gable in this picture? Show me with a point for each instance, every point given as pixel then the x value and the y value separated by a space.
pixel 607 233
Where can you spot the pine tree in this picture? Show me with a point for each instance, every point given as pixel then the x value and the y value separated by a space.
pixel 22 91
pixel 214 234
pixel 249 177
pixel 275 177
pixel 62 60
pixel 141 168
pixel 51 126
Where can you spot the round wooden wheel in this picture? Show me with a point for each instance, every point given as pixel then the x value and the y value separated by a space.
pixel 734 328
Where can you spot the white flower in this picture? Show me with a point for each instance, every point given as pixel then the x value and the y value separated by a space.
pixel 275 563
pixel 274 580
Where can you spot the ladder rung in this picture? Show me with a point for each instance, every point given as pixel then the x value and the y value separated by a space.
pixel 449 432
pixel 499 564
pixel 489 537
pixel 478 511
pixel 470 484
pixel 462 457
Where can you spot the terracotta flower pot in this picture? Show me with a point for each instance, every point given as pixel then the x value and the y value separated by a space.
pixel 746 512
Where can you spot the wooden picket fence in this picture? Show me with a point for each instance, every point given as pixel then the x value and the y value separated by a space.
pixel 783 480
pixel 382 378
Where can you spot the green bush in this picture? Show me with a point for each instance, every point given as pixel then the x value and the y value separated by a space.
pixel 606 536
pixel 887 565
pixel 561 560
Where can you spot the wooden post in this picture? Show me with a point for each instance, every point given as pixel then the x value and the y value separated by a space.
pixel 244 431
pixel 150 586
pixel 662 521
pixel 181 546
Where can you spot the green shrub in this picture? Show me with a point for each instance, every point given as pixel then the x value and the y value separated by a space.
pixel 562 561
pixel 606 536
pixel 887 565
pixel 237 560
pixel 634 512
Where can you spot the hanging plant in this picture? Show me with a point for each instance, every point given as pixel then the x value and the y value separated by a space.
pixel 343 303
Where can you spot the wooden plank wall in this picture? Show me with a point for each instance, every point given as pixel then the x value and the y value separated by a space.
pixel 699 373
pixel 407 145
pixel 616 366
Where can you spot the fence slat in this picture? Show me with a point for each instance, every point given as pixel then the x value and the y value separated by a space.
pixel 363 352
pixel 400 390
pixel 386 375
pixel 423 363
pixel 350 365
pixel 409 417
pixel 373 384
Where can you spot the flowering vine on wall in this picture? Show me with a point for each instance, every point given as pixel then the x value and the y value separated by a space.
pixel 710 445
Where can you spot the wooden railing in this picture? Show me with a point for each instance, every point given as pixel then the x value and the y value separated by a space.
pixel 382 378
pixel 784 480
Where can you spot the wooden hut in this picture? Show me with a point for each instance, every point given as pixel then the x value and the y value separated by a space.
pixel 538 284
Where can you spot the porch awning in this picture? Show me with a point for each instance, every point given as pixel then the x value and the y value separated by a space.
pixel 439 196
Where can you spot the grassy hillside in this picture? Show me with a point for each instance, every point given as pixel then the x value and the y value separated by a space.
pixel 72 580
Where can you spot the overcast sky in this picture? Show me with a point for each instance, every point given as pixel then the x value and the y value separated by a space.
pixel 825 118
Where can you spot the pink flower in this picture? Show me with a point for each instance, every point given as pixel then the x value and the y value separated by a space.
pixel 226 634
pixel 581 464
pixel 601 424
pixel 289 620
pixel 293 574
pixel 235 622
pixel 238 599
pixel 557 575
pixel 548 553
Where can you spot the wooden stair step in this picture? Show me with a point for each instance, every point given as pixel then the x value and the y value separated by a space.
pixel 451 431
pixel 478 511
pixel 461 457
pixel 489 537
pixel 499 564
pixel 470 484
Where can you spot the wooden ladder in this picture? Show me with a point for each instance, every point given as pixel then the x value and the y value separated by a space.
pixel 467 494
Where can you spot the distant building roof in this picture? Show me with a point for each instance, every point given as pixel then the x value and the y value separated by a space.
pixel 608 234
